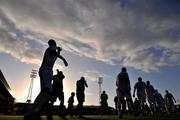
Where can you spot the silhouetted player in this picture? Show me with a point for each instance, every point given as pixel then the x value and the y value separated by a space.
pixel 150 95
pixel 140 86
pixel 46 75
pixel 116 104
pixel 123 90
pixel 80 88
pixel 70 104
pixel 159 102
pixel 169 101
pixel 104 103
pixel 58 91
pixel 137 107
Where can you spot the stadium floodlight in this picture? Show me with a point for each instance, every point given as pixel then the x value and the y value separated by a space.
pixel 100 81
pixel 32 76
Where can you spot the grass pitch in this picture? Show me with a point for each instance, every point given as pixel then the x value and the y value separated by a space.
pixel 105 117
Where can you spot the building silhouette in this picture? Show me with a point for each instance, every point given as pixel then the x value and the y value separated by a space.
pixel 6 98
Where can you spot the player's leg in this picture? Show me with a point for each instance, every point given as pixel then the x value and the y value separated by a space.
pixel 61 106
pixel 120 103
pixel 46 89
pixel 130 101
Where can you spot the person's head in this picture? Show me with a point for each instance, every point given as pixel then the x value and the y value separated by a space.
pixel 59 72
pixel 104 92
pixel 123 69
pixel 52 42
pixel 166 91
pixel 82 78
pixel 156 91
pixel 139 79
pixel 148 82
pixel 73 94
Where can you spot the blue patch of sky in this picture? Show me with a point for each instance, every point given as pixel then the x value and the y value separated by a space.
pixel 173 33
pixel 158 52
pixel 122 3
pixel 168 3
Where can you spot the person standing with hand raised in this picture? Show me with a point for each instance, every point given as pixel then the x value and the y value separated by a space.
pixel 46 75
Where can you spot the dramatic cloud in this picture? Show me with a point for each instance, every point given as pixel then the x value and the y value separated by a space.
pixel 17 43
pixel 137 33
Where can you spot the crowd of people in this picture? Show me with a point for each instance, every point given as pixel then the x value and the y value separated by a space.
pixel 52 88
pixel 148 100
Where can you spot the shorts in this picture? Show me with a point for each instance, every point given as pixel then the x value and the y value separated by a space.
pixel 141 96
pixel 123 93
pixel 46 75
pixel 80 97
pixel 150 99
pixel 59 95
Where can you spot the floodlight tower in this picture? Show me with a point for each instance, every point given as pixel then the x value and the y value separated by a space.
pixel 32 76
pixel 100 80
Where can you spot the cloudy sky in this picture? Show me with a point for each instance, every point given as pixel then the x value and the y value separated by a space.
pixel 98 37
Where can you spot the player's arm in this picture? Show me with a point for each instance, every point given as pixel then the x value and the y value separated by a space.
pixel 153 90
pixel 134 90
pixel 57 53
pixel 85 83
pixel 162 98
pixel 174 99
pixel 145 88
pixel 128 82
pixel 69 100
pixel 63 59
pixel 117 81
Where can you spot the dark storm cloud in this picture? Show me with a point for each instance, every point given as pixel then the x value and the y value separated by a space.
pixel 113 31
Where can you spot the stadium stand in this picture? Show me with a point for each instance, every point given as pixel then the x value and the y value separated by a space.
pixel 6 99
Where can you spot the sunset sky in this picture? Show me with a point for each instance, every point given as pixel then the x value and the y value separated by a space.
pixel 98 38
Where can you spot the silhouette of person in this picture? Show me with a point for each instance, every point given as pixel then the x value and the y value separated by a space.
pixel 58 91
pixel 123 90
pixel 70 104
pixel 116 104
pixel 147 110
pixel 137 107
pixel 46 75
pixel 104 103
pixel 150 95
pixel 159 102
pixel 169 101
pixel 80 88
pixel 140 86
